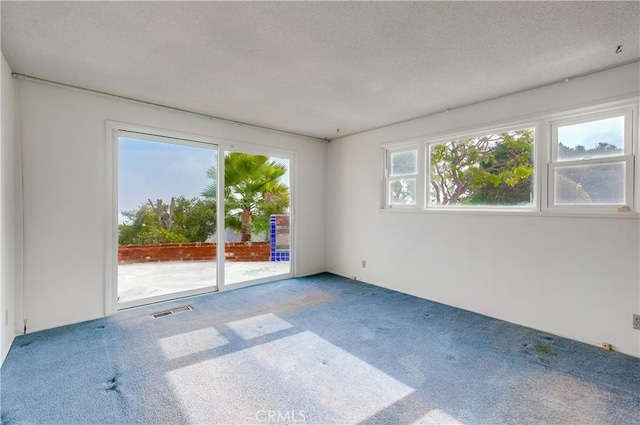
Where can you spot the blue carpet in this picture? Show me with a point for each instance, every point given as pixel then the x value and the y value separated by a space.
pixel 317 350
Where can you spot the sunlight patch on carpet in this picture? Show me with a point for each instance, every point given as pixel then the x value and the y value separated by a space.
pixel 256 326
pixel 301 374
pixel 437 417
pixel 188 343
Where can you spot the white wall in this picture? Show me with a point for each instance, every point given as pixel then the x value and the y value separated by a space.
pixel 63 134
pixel 574 277
pixel 10 210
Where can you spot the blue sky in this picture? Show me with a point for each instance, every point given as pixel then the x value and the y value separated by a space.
pixel 159 171
pixel 155 170
pixel 609 130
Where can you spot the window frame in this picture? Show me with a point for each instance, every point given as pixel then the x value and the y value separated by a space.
pixel 387 178
pixel 479 133
pixel 627 157
pixel 545 162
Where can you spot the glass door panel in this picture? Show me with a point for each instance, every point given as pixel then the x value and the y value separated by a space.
pixel 257 207
pixel 166 219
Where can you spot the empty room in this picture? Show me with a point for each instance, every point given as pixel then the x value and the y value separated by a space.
pixel 320 212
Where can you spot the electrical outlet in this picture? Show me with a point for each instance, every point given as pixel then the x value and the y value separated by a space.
pixel 636 321
pixel 606 346
pixel 364 264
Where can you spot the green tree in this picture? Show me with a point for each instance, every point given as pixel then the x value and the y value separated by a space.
pixel 579 151
pixel 182 220
pixel 253 191
pixel 495 169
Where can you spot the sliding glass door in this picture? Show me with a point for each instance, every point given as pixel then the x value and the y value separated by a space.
pixel 191 216
pixel 166 219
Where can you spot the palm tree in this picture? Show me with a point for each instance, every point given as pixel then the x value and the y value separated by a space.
pixel 252 192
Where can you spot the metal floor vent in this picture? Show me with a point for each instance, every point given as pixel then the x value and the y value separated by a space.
pixel 171 312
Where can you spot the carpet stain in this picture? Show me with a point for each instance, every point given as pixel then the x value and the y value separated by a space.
pixel 100 327
pixel 112 385
pixel 303 302
pixel 545 349
pixel 26 344
pixel 5 419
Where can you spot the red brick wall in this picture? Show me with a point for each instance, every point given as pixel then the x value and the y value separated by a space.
pixel 196 251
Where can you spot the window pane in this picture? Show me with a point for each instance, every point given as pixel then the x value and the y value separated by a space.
pixel 402 192
pixel 404 163
pixel 492 170
pixel 602 184
pixel 594 139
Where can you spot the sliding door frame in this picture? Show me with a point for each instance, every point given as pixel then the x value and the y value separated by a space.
pixel 113 130
pixel 266 151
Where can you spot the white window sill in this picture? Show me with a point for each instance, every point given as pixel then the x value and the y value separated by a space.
pixel 514 212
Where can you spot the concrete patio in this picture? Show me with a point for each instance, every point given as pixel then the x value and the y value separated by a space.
pixel 142 280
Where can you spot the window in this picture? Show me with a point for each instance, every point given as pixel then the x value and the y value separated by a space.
pixel 495 169
pixel 580 161
pixel 591 163
pixel 401 171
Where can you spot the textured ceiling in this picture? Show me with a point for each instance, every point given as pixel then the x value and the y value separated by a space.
pixel 315 67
